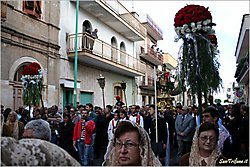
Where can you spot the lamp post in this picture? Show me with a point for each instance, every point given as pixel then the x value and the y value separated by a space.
pixel 123 86
pixel 101 82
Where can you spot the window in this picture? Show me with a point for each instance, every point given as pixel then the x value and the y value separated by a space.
pixel 32 8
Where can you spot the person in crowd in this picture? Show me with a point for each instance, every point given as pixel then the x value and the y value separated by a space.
pixel 184 125
pixel 196 115
pixel 75 115
pixel 111 129
pixel 54 118
pixel 65 135
pixel 225 142
pixel 232 124
pixel 25 117
pixel 82 137
pixel 2 109
pixel 118 101
pixel 6 113
pixel 44 113
pixel 38 129
pixel 123 115
pixel 131 147
pixel 13 127
pixel 244 132
pixel 179 109
pixel 36 114
pixel 92 116
pixel 168 116
pixel 150 126
pixel 125 108
pixel 108 116
pixel 99 132
pixel 113 125
pixel 136 117
pixel 19 112
pixel 94 36
pixel 205 151
pixel 33 152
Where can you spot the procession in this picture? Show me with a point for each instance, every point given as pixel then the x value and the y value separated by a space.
pixel 89 83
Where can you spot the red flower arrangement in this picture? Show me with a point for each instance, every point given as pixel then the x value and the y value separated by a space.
pixel 191 13
pixel 32 69
pixel 213 39
pixel 193 18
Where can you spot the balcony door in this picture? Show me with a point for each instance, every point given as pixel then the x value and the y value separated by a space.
pixel 114 51
pixel 123 53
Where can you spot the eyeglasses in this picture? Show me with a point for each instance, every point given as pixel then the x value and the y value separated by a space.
pixel 205 138
pixel 127 145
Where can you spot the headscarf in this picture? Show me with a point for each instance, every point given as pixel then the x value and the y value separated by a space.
pixel 148 158
pixel 15 133
pixel 195 158
pixel 33 152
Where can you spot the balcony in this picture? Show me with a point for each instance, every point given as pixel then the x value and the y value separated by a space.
pixel 147 83
pixel 152 56
pixel 152 29
pixel 116 16
pixel 104 56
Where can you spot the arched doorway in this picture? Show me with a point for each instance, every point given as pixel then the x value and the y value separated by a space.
pixel 114 51
pixel 86 32
pixel 17 87
pixel 123 53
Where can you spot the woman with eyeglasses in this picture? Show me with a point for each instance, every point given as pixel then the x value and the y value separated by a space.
pixel 204 151
pixel 131 147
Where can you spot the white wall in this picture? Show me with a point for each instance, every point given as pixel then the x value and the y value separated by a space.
pixel 67 24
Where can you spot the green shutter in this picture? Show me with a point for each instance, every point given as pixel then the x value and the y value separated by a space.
pixel 86 97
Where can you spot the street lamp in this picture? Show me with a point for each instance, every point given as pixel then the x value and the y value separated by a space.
pixel 101 82
pixel 123 86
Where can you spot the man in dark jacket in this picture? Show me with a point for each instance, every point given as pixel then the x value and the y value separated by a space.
pixel 150 126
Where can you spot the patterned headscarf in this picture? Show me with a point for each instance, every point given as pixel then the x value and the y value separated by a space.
pixel 15 124
pixel 195 158
pixel 148 158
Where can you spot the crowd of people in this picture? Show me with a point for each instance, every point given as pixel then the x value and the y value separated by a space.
pixel 136 135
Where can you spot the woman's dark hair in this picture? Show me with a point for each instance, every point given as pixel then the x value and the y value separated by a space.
pixel 118 113
pixel 66 114
pixel 209 126
pixel 124 127
pixel 123 112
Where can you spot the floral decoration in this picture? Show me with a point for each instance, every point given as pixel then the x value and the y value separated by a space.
pixel 212 38
pixel 32 84
pixel 32 69
pixel 192 18
pixel 198 66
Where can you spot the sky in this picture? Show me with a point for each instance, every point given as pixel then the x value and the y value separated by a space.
pixel 227 15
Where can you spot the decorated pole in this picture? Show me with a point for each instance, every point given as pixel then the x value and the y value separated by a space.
pixel 32 85
pixel 199 66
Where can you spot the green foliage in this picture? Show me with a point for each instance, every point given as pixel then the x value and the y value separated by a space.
pixel 199 65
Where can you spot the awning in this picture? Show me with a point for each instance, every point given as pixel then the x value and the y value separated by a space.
pixel 69 83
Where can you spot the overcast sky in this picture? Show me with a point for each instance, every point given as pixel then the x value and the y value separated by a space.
pixel 226 14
